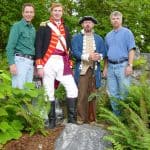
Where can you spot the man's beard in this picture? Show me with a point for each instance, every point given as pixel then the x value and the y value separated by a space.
pixel 87 29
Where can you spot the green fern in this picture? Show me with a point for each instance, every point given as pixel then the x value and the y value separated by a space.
pixel 130 130
pixel 144 112
pixel 117 128
pixel 139 130
pixel 116 145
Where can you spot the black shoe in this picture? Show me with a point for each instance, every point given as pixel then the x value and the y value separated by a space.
pixel 71 108
pixel 52 116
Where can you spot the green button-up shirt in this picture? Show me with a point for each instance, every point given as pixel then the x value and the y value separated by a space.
pixel 21 40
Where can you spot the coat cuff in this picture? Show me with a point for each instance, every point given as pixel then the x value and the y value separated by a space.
pixel 39 63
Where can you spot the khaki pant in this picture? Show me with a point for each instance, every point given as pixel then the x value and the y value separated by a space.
pixel 86 111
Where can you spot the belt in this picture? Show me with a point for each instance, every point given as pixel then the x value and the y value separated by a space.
pixel 117 62
pixel 25 56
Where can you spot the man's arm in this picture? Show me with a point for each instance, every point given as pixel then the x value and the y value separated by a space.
pixel 129 68
pixel 76 51
pixel 105 67
pixel 10 48
pixel 131 57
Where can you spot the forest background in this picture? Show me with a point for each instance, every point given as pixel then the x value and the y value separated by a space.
pixel 136 16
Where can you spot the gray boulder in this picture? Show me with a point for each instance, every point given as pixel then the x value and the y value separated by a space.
pixel 82 137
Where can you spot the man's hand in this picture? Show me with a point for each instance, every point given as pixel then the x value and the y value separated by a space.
pixel 94 56
pixel 13 69
pixel 128 70
pixel 105 72
pixel 40 72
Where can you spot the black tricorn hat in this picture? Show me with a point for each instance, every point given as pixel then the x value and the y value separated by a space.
pixel 85 18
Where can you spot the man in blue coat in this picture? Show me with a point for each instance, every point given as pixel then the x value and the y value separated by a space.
pixel 88 49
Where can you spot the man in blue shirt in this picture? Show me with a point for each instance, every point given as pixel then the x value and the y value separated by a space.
pixel 88 50
pixel 120 45
pixel 20 48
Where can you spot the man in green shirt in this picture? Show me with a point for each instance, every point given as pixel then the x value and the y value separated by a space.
pixel 20 48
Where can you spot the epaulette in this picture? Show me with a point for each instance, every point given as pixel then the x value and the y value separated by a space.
pixel 44 23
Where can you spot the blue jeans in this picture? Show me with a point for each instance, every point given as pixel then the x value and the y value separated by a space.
pixel 117 84
pixel 24 72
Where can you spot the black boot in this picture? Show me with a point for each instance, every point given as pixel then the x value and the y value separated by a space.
pixel 52 116
pixel 71 108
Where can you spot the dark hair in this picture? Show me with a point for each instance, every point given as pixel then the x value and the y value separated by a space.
pixel 27 4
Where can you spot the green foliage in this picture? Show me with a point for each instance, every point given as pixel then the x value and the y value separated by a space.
pixel 130 130
pixel 116 145
pixel 136 16
pixel 60 93
pixel 20 109
pixel 11 11
pixel 140 62
pixel 3 62
pixel 11 130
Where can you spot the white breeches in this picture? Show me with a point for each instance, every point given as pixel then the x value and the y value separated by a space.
pixel 53 69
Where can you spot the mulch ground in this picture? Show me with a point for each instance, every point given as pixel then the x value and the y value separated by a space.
pixel 35 142
pixel 38 141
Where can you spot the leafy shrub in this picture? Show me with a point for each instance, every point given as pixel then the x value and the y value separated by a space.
pixel 130 130
pixel 20 109
pixel 140 62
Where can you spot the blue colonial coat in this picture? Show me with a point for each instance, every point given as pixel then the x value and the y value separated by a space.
pixel 77 48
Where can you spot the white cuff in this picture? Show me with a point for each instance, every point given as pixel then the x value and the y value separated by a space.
pixel 39 66
pixel 101 57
